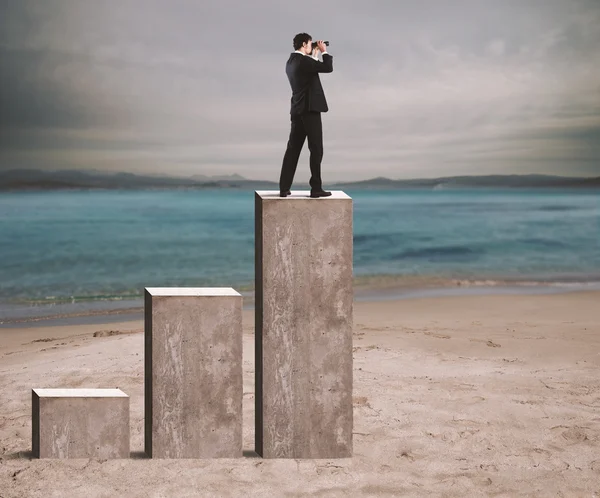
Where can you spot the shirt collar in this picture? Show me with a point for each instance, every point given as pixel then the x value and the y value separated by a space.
pixel 308 55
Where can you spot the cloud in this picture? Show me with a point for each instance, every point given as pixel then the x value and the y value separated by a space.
pixel 419 89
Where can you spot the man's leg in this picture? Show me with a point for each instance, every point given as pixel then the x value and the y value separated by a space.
pixel 292 153
pixel 314 131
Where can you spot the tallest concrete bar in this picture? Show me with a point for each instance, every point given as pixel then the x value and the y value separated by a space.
pixel 303 325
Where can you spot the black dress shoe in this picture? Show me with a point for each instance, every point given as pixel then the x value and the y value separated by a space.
pixel 285 194
pixel 319 193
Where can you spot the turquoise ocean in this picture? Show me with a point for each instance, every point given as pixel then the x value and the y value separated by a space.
pixel 87 252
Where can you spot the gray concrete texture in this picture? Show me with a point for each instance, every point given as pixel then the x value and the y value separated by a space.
pixel 193 373
pixel 80 423
pixel 304 307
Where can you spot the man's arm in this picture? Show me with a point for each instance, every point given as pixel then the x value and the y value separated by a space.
pixel 314 66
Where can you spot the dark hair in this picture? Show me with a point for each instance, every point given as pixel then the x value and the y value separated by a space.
pixel 300 38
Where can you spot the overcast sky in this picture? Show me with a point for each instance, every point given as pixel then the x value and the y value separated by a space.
pixel 419 89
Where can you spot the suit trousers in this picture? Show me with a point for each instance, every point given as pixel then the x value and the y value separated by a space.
pixel 303 125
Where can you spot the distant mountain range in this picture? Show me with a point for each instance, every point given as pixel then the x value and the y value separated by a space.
pixel 488 181
pixel 29 179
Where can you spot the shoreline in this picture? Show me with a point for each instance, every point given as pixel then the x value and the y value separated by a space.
pixel 113 311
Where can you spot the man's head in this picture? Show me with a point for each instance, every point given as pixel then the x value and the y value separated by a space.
pixel 303 42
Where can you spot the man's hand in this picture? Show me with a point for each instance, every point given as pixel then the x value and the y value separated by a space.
pixel 322 46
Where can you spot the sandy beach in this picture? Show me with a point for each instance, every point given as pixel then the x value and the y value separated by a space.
pixel 495 395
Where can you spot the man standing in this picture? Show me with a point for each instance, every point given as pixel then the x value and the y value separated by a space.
pixel 307 104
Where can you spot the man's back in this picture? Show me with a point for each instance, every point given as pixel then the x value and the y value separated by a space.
pixel 307 92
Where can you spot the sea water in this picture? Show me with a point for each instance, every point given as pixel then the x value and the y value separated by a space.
pixel 87 248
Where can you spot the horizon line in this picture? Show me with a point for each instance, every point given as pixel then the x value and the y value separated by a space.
pixel 212 177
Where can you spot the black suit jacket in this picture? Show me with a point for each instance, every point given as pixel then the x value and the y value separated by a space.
pixel 307 92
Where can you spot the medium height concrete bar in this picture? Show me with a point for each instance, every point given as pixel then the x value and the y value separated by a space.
pixel 303 329
pixel 79 423
pixel 193 373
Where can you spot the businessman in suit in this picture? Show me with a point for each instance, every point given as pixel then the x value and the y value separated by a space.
pixel 307 103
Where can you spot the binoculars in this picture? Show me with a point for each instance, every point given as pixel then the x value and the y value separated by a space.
pixel 314 44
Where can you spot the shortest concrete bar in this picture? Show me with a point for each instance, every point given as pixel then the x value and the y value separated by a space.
pixel 80 423
pixel 193 372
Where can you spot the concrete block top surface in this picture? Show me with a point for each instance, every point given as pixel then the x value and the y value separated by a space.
pixel 80 393
pixel 192 291
pixel 300 194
